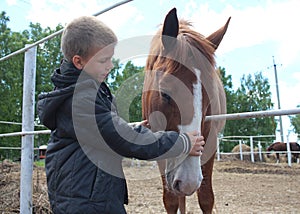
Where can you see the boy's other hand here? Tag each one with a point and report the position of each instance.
(197, 143)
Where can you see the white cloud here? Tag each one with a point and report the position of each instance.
(52, 12)
(250, 26)
(277, 21)
(11, 2)
(296, 76)
(126, 15)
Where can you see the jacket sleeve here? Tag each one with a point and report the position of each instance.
(98, 126)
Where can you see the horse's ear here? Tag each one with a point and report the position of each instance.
(216, 37)
(170, 29)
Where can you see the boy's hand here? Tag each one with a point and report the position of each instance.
(142, 123)
(145, 123)
(197, 143)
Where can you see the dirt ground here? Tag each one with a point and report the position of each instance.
(239, 186)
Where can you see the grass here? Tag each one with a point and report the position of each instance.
(40, 163)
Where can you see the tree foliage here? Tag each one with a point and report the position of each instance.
(126, 83)
(11, 74)
(252, 95)
(295, 121)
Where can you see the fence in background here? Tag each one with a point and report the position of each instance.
(256, 149)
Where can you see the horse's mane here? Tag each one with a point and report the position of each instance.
(189, 43)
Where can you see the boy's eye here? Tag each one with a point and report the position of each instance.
(103, 60)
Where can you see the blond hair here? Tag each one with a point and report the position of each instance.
(83, 35)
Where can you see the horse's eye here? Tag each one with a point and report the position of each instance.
(166, 97)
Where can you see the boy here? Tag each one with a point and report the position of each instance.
(88, 138)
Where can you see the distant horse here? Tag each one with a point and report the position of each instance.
(279, 146)
(181, 88)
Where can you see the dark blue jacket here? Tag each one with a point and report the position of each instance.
(88, 141)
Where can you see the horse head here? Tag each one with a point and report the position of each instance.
(270, 148)
(181, 87)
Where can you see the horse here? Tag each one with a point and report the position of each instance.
(280, 146)
(181, 87)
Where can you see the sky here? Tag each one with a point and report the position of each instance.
(259, 32)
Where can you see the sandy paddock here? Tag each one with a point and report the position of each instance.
(239, 186)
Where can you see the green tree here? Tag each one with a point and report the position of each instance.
(48, 59)
(49, 56)
(295, 121)
(252, 95)
(11, 82)
(229, 91)
(126, 83)
(11, 75)
(230, 101)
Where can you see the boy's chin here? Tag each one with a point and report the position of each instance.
(101, 79)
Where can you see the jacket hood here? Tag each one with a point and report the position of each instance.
(66, 75)
(64, 80)
(49, 104)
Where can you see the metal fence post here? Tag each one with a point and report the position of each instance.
(252, 149)
(27, 154)
(218, 149)
(288, 150)
(241, 149)
(259, 151)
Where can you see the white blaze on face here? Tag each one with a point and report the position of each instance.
(197, 118)
(189, 175)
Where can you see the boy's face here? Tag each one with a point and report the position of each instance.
(100, 63)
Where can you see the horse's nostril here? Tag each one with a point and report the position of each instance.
(176, 185)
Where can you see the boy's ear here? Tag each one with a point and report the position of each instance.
(78, 62)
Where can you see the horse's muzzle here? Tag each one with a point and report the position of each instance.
(186, 178)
